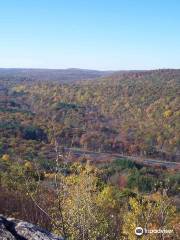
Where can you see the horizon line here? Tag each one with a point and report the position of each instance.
(86, 69)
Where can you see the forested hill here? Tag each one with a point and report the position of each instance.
(101, 143)
(54, 75)
(134, 113)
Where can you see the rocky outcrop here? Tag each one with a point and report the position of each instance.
(12, 229)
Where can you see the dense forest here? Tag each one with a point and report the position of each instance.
(131, 113)
(51, 124)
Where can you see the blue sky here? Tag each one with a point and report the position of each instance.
(94, 34)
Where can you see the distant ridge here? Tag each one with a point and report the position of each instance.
(58, 75)
(72, 75)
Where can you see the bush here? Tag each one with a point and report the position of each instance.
(34, 133)
(143, 183)
(126, 164)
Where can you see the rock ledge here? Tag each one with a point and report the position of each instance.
(12, 229)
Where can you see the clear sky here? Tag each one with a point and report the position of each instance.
(94, 34)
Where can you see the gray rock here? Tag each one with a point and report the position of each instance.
(4, 233)
(12, 229)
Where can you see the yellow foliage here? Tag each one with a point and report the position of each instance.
(5, 157)
(28, 166)
(167, 113)
(107, 197)
(154, 196)
(19, 88)
(49, 175)
(146, 213)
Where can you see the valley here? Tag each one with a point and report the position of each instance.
(89, 140)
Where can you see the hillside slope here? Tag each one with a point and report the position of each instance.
(135, 113)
